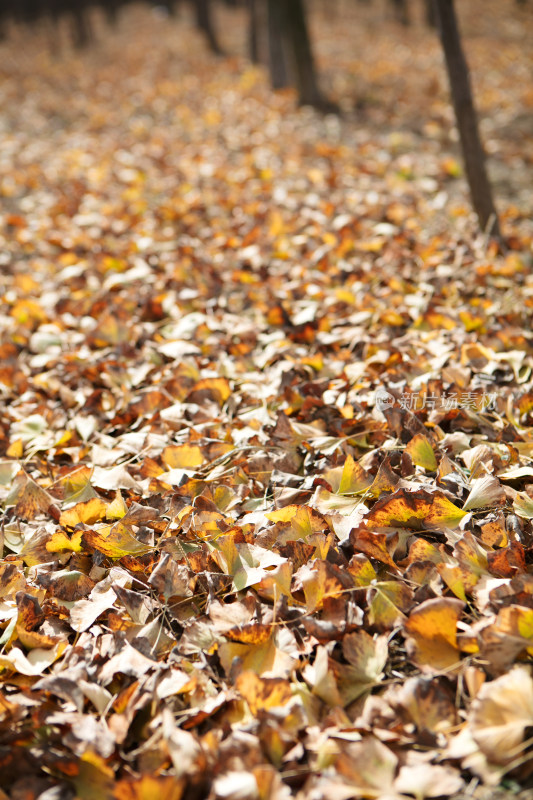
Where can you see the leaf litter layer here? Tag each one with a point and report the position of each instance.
(266, 427)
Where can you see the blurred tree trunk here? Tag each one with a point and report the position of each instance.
(466, 117)
(81, 26)
(300, 53)
(431, 16)
(111, 8)
(169, 5)
(277, 57)
(401, 11)
(253, 32)
(204, 21)
(258, 32)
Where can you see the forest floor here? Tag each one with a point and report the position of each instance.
(266, 418)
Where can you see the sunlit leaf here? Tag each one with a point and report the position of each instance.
(263, 693)
(115, 543)
(414, 509)
(432, 633)
(421, 452)
(87, 512)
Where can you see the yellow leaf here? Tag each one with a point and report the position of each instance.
(182, 456)
(432, 633)
(354, 479)
(282, 514)
(88, 512)
(216, 389)
(117, 508)
(276, 226)
(320, 581)
(388, 603)
(421, 452)
(267, 658)
(59, 542)
(263, 693)
(76, 485)
(150, 787)
(15, 449)
(116, 544)
(414, 510)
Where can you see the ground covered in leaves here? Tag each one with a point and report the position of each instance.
(266, 420)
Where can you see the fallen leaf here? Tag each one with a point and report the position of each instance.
(414, 509)
(432, 634)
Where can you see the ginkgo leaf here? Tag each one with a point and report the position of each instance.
(369, 766)
(262, 694)
(149, 787)
(76, 485)
(283, 514)
(510, 634)
(69, 585)
(182, 456)
(114, 543)
(216, 389)
(500, 714)
(421, 452)
(354, 479)
(321, 679)
(373, 545)
(272, 658)
(35, 662)
(114, 478)
(523, 505)
(388, 604)
(28, 498)
(319, 581)
(87, 512)
(432, 633)
(59, 542)
(414, 509)
(427, 703)
(261, 385)
(485, 492)
(366, 657)
(429, 780)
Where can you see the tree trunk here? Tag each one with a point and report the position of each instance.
(258, 32)
(466, 117)
(81, 27)
(277, 59)
(204, 21)
(298, 45)
(253, 32)
(111, 11)
(401, 11)
(431, 16)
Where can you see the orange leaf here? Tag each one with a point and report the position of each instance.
(373, 545)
